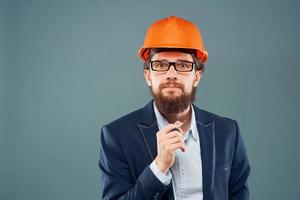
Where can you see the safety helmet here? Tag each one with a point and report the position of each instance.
(173, 32)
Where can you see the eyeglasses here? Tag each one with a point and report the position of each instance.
(162, 66)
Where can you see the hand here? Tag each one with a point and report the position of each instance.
(169, 139)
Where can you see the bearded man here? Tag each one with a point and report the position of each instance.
(170, 149)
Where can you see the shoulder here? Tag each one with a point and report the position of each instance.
(206, 117)
(223, 126)
(127, 119)
(118, 131)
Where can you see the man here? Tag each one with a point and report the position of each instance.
(170, 149)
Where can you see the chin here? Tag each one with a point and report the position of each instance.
(171, 96)
(175, 93)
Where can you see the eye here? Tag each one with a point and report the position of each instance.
(184, 65)
(163, 64)
(160, 65)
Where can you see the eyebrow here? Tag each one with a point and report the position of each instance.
(175, 61)
(184, 60)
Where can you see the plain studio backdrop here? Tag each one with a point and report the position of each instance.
(69, 67)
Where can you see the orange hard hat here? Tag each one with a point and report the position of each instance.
(173, 32)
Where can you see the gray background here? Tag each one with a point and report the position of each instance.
(68, 67)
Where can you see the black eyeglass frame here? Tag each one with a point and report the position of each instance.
(170, 64)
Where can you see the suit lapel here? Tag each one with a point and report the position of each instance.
(206, 131)
(148, 133)
(148, 129)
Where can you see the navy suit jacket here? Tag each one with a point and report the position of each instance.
(128, 146)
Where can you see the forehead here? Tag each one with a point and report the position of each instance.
(172, 56)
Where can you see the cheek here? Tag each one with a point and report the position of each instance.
(155, 87)
(154, 82)
(194, 81)
(189, 85)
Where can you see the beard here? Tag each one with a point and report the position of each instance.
(173, 104)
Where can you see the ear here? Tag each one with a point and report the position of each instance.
(147, 77)
(198, 75)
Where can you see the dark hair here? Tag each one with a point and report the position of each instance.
(198, 64)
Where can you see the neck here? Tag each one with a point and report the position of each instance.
(184, 116)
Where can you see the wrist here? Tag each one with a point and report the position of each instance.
(162, 166)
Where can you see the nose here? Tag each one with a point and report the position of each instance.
(171, 73)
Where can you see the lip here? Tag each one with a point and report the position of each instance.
(171, 86)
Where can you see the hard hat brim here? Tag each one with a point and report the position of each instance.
(143, 53)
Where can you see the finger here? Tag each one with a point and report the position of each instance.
(178, 141)
(172, 134)
(161, 138)
(181, 131)
(168, 128)
(179, 127)
(174, 140)
(176, 146)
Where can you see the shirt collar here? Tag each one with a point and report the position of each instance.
(162, 122)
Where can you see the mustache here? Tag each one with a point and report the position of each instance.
(174, 84)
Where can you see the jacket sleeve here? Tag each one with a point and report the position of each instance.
(116, 178)
(240, 170)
